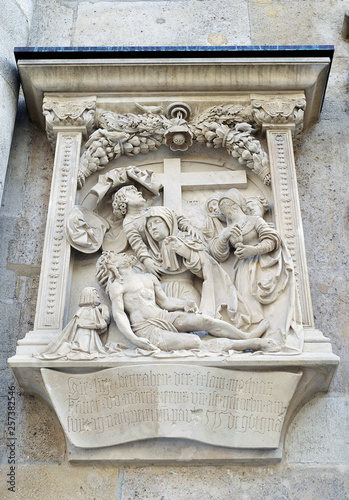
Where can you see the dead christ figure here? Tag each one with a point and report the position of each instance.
(149, 319)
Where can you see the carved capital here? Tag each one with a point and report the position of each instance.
(273, 110)
(66, 113)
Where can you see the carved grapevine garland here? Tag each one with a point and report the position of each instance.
(130, 135)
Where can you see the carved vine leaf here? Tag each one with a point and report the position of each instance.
(239, 142)
(130, 135)
(118, 135)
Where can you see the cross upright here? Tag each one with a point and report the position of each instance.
(174, 180)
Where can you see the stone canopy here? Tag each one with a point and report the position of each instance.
(177, 127)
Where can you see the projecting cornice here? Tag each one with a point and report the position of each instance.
(229, 74)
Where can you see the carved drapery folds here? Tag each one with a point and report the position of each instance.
(68, 112)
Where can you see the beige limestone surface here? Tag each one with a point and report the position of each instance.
(314, 465)
(215, 406)
(14, 30)
(65, 121)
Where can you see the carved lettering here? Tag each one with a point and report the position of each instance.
(216, 406)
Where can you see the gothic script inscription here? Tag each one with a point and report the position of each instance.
(212, 405)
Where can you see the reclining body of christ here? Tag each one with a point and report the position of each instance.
(151, 320)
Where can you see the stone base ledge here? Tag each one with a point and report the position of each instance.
(311, 373)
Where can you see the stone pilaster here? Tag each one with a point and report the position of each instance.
(67, 121)
(281, 118)
(62, 113)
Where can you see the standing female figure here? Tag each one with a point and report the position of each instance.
(262, 271)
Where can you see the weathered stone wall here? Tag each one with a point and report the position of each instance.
(316, 459)
(15, 19)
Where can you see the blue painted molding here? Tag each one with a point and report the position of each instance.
(235, 51)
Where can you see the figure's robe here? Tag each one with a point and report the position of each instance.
(80, 339)
(267, 283)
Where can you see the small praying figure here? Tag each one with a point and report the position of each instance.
(80, 339)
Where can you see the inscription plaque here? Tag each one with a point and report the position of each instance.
(237, 409)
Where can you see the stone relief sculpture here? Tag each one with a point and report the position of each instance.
(227, 127)
(262, 271)
(150, 319)
(170, 248)
(256, 205)
(80, 339)
(129, 203)
(215, 221)
(86, 230)
(254, 295)
(194, 273)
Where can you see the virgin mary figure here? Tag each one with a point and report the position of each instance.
(182, 258)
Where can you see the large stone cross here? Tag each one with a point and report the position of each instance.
(174, 180)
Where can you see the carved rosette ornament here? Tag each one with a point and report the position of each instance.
(179, 137)
(68, 112)
(229, 127)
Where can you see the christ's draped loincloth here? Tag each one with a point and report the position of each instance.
(161, 331)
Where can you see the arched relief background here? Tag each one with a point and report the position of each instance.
(197, 160)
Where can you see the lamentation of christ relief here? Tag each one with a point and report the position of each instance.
(150, 319)
(250, 304)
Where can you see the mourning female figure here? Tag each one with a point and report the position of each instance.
(169, 248)
(262, 271)
(177, 253)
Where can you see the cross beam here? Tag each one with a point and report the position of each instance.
(174, 181)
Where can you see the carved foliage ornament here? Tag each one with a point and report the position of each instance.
(73, 112)
(279, 110)
(129, 134)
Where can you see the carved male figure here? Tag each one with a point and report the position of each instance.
(148, 318)
(80, 339)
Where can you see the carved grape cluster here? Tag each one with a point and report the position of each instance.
(131, 134)
(238, 141)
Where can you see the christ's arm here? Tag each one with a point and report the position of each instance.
(172, 303)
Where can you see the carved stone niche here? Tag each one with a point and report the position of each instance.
(174, 320)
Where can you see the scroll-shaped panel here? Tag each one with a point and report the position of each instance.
(235, 409)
